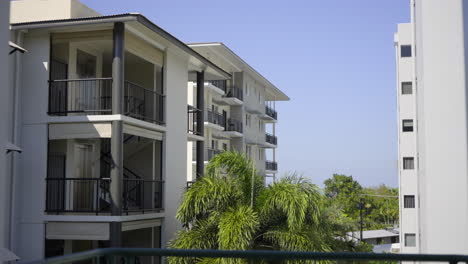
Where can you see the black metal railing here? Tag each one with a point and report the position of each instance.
(271, 112)
(73, 96)
(133, 255)
(94, 97)
(92, 195)
(235, 92)
(192, 117)
(189, 184)
(215, 118)
(142, 195)
(269, 138)
(271, 165)
(211, 153)
(143, 103)
(221, 84)
(83, 195)
(234, 125)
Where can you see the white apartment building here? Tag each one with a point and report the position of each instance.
(432, 73)
(99, 110)
(239, 113)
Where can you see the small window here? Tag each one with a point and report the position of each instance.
(407, 88)
(225, 148)
(408, 125)
(408, 163)
(410, 240)
(405, 51)
(409, 201)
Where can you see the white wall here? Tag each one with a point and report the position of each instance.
(441, 42)
(408, 179)
(175, 145)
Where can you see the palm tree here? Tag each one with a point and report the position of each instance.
(218, 213)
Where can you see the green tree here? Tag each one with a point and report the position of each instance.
(344, 191)
(217, 212)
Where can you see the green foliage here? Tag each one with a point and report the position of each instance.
(290, 214)
(380, 203)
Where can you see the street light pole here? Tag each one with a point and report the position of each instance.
(360, 216)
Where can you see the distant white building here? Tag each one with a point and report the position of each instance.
(382, 240)
(432, 73)
(239, 113)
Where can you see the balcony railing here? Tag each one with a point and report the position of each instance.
(94, 97)
(92, 195)
(144, 104)
(234, 125)
(271, 112)
(235, 92)
(211, 153)
(192, 117)
(269, 138)
(215, 118)
(134, 255)
(221, 84)
(271, 165)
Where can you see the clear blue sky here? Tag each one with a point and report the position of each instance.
(334, 58)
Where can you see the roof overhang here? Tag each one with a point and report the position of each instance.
(236, 62)
(135, 21)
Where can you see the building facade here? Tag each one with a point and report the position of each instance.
(240, 112)
(101, 115)
(433, 135)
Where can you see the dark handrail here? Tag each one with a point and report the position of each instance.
(129, 253)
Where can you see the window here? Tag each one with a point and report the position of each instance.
(406, 88)
(225, 147)
(409, 201)
(260, 125)
(405, 51)
(410, 240)
(407, 125)
(248, 120)
(248, 150)
(247, 92)
(408, 163)
(260, 153)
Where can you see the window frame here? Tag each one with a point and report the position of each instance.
(409, 201)
(403, 85)
(410, 167)
(413, 236)
(407, 128)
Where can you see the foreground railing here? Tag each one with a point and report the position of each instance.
(143, 103)
(133, 255)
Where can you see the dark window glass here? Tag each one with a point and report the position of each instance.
(410, 240)
(407, 88)
(408, 125)
(409, 201)
(405, 51)
(408, 163)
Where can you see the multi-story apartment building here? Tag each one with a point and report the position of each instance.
(239, 114)
(432, 73)
(100, 112)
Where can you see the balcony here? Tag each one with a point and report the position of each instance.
(234, 128)
(234, 96)
(215, 118)
(211, 153)
(270, 112)
(71, 97)
(192, 117)
(271, 139)
(92, 195)
(221, 84)
(271, 165)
